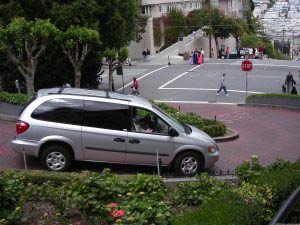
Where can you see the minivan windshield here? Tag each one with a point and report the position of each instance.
(171, 120)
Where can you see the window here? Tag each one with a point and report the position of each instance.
(106, 115)
(68, 111)
(145, 121)
(143, 10)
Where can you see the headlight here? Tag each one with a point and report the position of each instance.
(211, 149)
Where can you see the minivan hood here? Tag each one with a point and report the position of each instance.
(199, 133)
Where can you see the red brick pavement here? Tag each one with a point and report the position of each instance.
(266, 132)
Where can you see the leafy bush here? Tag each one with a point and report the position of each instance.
(211, 127)
(225, 208)
(249, 169)
(19, 99)
(276, 95)
(146, 186)
(195, 193)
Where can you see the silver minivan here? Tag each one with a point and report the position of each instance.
(66, 124)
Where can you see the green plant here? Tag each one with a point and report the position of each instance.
(20, 99)
(145, 186)
(225, 208)
(279, 164)
(195, 193)
(189, 118)
(275, 95)
(249, 169)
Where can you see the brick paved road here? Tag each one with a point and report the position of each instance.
(266, 132)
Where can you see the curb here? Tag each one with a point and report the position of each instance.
(8, 118)
(231, 137)
(269, 106)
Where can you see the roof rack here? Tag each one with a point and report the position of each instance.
(61, 90)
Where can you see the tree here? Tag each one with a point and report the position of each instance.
(76, 43)
(175, 24)
(237, 28)
(24, 42)
(113, 59)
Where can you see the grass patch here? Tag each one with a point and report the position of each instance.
(274, 95)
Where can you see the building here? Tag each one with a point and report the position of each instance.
(158, 8)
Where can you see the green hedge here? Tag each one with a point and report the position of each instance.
(254, 201)
(19, 99)
(277, 95)
(212, 127)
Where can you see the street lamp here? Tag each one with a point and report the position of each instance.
(210, 24)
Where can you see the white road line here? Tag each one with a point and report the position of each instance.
(145, 75)
(180, 75)
(211, 89)
(196, 102)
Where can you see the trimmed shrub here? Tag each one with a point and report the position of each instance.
(277, 95)
(19, 99)
(225, 208)
(249, 169)
(195, 193)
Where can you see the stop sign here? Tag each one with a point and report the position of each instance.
(246, 65)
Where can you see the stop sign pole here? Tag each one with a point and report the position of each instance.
(246, 66)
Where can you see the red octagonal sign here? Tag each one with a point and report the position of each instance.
(246, 65)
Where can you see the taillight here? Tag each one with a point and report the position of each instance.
(21, 126)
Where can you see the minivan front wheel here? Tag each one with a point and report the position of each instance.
(188, 163)
(56, 158)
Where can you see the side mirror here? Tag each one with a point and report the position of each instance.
(173, 132)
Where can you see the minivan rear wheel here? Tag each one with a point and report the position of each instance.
(56, 158)
(188, 163)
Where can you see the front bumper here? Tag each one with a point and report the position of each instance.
(211, 159)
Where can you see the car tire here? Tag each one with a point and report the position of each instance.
(188, 163)
(56, 158)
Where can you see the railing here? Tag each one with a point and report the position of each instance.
(286, 208)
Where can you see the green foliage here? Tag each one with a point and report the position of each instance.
(249, 169)
(225, 208)
(175, 24)
(195, 193)
(275, 95)
(211, 127)
(157, 33)
(145, 186)
(19, 99)
(250, 40)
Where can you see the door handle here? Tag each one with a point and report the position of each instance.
(119, 139)
(134, 141)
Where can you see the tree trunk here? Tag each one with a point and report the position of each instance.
(217, 44)
(77, 77)
(237, 42)
(30, 85)
(110, 73)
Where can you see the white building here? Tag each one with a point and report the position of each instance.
(158, 8)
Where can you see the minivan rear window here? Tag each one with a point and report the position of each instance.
(106, 115)
(68, 111)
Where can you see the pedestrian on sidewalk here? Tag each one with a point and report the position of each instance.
(202, 53)
(222, 87)
(144, 53)
(148, 54)
(227, 53)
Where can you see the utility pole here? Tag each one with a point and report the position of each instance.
(210, 26)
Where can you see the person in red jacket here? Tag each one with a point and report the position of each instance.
(135, 89)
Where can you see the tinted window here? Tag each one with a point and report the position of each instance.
(106, 115)
(67, 111)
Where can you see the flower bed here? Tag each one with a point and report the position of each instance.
(105, 198)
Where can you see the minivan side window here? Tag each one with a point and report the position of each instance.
(68, 111)
(106, 115)
(145, 121)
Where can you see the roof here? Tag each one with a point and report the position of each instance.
(91, 93)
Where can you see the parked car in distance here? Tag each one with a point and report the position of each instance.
(234, 55)
(66, 124)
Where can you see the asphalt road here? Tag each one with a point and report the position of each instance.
(199, 83)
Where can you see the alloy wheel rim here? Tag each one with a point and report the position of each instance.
(189, 165)
(56, 161)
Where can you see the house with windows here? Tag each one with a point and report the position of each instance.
(157, 8)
